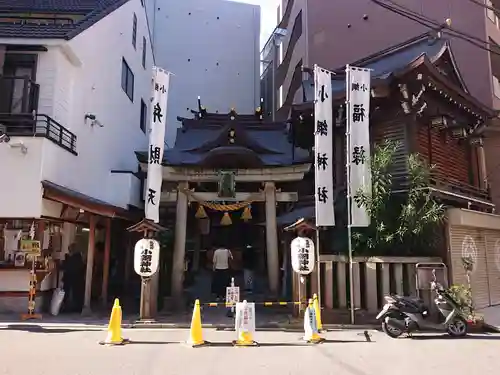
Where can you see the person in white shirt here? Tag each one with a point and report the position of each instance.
(221, 275)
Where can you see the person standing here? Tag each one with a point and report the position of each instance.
(220, 267)
(248, 267)
(73, 280)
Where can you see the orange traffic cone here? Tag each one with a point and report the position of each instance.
(115, 327)
(196, 331)
(311, 334)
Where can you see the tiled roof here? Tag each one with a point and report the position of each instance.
(388, 62)
(200, 139)
(93, 11)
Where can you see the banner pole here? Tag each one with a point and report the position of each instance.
(318, 264)
(349, 198)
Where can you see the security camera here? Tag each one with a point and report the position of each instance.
(90, 116)
(4, 138)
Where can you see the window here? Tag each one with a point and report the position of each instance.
(144, 116)
(127, 80)
(144, 52)
(134, 32)
(496, 87)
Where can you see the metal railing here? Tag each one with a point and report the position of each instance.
(38, 125)
(454, 186)
(18, 94)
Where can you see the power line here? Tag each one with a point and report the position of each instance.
(489, 7)
(434, 25)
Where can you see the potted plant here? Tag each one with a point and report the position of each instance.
(462, 294)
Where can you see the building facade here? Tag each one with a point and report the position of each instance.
(208, 45)
(75, 90)
(334, 33)
(419, 100)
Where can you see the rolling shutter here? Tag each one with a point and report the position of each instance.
(466, 241)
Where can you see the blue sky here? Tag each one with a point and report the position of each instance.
(268, 16)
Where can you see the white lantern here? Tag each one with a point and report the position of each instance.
(146, 257)
(302, 255)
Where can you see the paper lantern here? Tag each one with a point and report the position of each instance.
(302, 255)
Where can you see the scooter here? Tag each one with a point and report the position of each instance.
(408, 314)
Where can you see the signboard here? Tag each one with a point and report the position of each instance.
(302, 255)
(245, 318)
(158, 117)
(358, 92)
(233, 294)
(31, 247)
(310, 324)
(323, 148)
(146, 257)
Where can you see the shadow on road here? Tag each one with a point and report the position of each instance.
(134, 342)
(448, 337)
(39, 329)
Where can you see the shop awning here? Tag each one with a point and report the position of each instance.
(69, 197)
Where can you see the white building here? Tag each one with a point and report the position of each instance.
(74, 99)
(212, 47)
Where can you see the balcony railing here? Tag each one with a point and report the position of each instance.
(457, 187)
(37, 125)
(18, 94)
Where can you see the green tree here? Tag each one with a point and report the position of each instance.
(401, 223)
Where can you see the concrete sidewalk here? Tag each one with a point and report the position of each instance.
(491, 317)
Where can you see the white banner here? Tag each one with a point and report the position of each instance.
(158, 117)
(323, 148)
(358, 92)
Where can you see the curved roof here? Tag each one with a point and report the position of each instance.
(397, 60)
(256, 143)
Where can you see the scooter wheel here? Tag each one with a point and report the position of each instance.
(457, 327)
(390, 331)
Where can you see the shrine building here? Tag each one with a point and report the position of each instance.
(229, 176)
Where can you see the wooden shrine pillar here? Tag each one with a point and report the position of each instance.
(483, 172)
(299, 290)
(90, 266)
(179, 244)
(272, 239)
(105, 269)
(149, 286)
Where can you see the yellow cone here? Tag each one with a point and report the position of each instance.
(317, 312)
(245, 339)
(311, 334)
(196, 332)
(115, 326)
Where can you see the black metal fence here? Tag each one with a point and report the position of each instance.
(37, 125)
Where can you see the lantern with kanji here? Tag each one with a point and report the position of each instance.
(302, 255)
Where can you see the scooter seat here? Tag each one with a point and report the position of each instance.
(417, 302)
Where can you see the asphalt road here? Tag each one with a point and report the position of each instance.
(59, 351)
